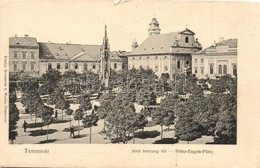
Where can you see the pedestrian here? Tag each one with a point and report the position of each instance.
(56, 114)
(24, 125)
(72, 131)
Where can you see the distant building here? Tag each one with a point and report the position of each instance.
(167, 53)
(24, 55)
(216, 60)
(66, 56)
(28, 56)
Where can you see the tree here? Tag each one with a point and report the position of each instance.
(78, 116)
(62, 105)
(46, 112)
(120, 118)
(69, 112)
(50, 81)
(13, 118)
(186, 127)
(226, 127)
(139, 122)
(89, 121)
(31, 100)
(105, 106)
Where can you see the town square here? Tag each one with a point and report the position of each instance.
(167, 88)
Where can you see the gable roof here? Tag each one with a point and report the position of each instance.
(160, 43)
(23, 41)
(230, 43)
(67, 51)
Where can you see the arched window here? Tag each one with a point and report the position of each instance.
(234, 69)
(178, 64)
(85, 67)
(220, 69)
(186, 39)
(76, 66)
(211, 71)
(224, 69)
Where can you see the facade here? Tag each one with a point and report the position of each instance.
(167, 53)
(35, 58)
(66, 56)
(216, 60)
(24, 55)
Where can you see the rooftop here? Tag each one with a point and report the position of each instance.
(23, 41)
(229, 44)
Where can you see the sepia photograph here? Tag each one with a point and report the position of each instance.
(125, 73)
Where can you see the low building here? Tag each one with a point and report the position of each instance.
(216, 60)
(66, 56)
(24, 55)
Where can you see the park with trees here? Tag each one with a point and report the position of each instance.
(139, 107)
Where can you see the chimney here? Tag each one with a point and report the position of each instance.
(220, 39)
(15, 35)
(26, 35)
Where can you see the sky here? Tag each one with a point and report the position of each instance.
(84, 21)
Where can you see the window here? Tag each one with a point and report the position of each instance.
(123, 66)
(220, 69)
(49, 65)
(66, 65)
(156, 68)
(133, 58)
(115, 65)
(15, 55)
(165, 68)
(156, 57)
(224, 69)
(147, 57)
(15, 67)
(186, 39)
(178, 64)
(196, 70)
(32, 66)
(165, 56)
(76, 66)
(24, 66)
(234, 69)
(201, 60)
(195, 60)
(140, 57)
(32, 55)
(24, 54)
(187, 63)
(94, 66)
(58, 65)
(202, 70)
(211, 69)
(85, 67)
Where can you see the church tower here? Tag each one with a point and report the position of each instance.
(154, 28)
(105, 61)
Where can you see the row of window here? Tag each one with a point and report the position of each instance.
(201, 60)
(156, 57)
(24, 54)
(155, 69)
(24, 66)
(222, 69)
(76, 66)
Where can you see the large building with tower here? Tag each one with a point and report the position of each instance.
(166, 53)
